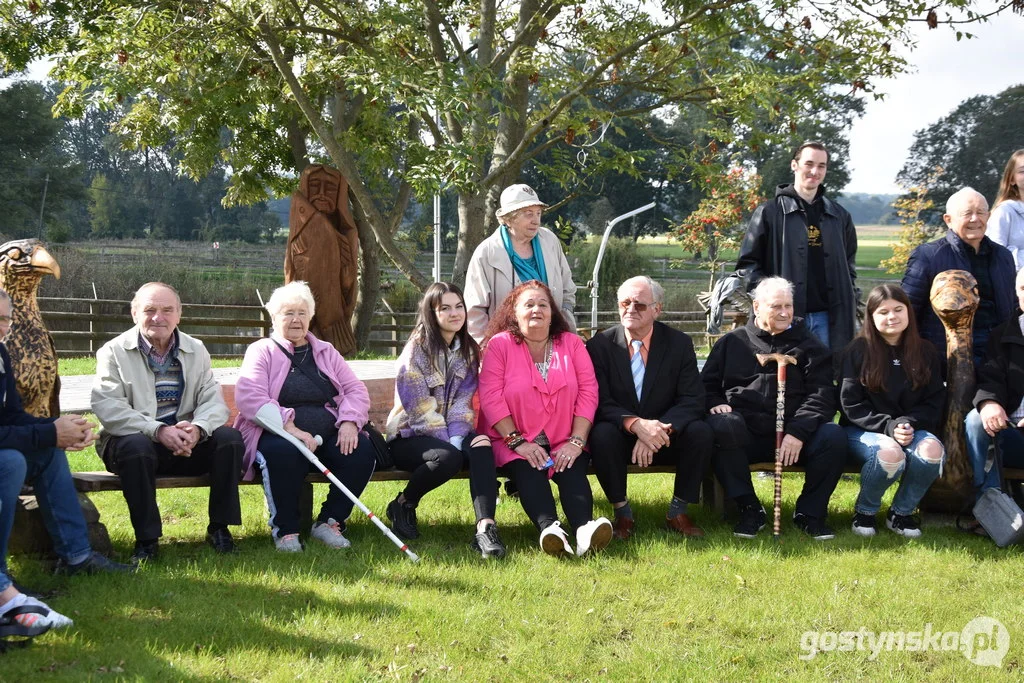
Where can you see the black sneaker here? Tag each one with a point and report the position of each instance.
(864, 525)
(145, 551)
(752, 519)
(403, 519)
(488, 543)
(813, 527)
(94, 564)
(907, 526)
(221, 541)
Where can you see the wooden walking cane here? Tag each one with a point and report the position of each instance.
(781, 360)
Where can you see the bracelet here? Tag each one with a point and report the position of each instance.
(512, 435)
(515, 442)
(578, 441)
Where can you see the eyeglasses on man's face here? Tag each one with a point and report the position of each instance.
(638, 306)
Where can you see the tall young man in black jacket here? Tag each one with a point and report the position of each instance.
(810, 240)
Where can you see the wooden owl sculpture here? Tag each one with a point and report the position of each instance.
(23, 265)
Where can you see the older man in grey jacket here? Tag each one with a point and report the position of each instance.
(162, 412)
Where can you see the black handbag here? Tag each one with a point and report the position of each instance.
(381, 450)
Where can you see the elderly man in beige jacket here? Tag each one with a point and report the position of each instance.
(161, 412)
(519, 250)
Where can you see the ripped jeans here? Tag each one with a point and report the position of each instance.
(914, 472)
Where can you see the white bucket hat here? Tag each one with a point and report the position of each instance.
(515, 197)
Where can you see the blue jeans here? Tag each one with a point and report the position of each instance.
(817, 324)
(48, 473)
(915, 474)
(1010, 443)
(5, 581)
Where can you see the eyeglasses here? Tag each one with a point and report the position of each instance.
(637, 306)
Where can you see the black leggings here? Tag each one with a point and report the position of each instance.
(432, 462)
(538, 500)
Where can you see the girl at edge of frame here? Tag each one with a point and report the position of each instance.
(430, 427)
(891, 396)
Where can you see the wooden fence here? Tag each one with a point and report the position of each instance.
(80, 326)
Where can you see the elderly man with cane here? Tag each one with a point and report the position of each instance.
(742, 396)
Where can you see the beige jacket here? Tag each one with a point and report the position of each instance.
(491, 277)
(124, 391)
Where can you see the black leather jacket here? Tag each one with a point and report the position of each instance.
(776, 245)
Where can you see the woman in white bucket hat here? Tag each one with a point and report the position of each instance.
(518, 251)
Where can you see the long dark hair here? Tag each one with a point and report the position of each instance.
(504, 319)
(876, 353)
(427, 331)
(1008, 190)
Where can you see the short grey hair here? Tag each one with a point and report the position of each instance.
(770, 285)
(959, 196)
(291, 293)
(657, 291)
(153, 285)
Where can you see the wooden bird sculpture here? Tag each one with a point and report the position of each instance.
(23, 265)
(954, 298)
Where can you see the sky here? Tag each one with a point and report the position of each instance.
(946, 73)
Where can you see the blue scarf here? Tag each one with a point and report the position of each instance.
(527, 269)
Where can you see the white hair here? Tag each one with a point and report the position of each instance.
(293, 292)
(961, 195)
(657, 291)
(769, 286)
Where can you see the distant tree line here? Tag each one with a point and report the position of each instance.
(73, 179)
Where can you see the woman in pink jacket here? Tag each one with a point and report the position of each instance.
(317, 394)
(538, 396)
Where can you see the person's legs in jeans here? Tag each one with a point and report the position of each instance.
(985, 474)
(924, 463)
(882, 462)
(50, 476)
(817, 324)
(12, 476)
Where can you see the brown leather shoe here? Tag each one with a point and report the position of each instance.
(683, 525)
(623, 528)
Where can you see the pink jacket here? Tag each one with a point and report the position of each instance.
(511, 385)
(264, 370)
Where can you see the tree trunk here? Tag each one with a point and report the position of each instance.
(472, 225)
(369, 280)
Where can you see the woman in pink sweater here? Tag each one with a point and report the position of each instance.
(538, 396)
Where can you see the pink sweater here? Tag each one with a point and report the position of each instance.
(264, 370)
(511, 385)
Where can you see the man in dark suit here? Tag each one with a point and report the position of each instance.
(651, 406)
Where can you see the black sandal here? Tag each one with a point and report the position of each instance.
(15, 634)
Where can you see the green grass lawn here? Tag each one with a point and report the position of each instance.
(655, 608)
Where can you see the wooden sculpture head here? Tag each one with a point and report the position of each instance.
(954, 298)
(323, 187)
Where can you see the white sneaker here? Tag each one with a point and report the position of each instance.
(594, 535)
(35, 614)
(554, 541)
(289, 543)
(329, 533)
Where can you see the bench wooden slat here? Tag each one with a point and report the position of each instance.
(90, 482)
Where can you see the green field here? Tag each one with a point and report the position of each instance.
(656, 608)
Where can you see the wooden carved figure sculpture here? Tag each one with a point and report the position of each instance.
(23, 265)
(323, 250)
(954, 298)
